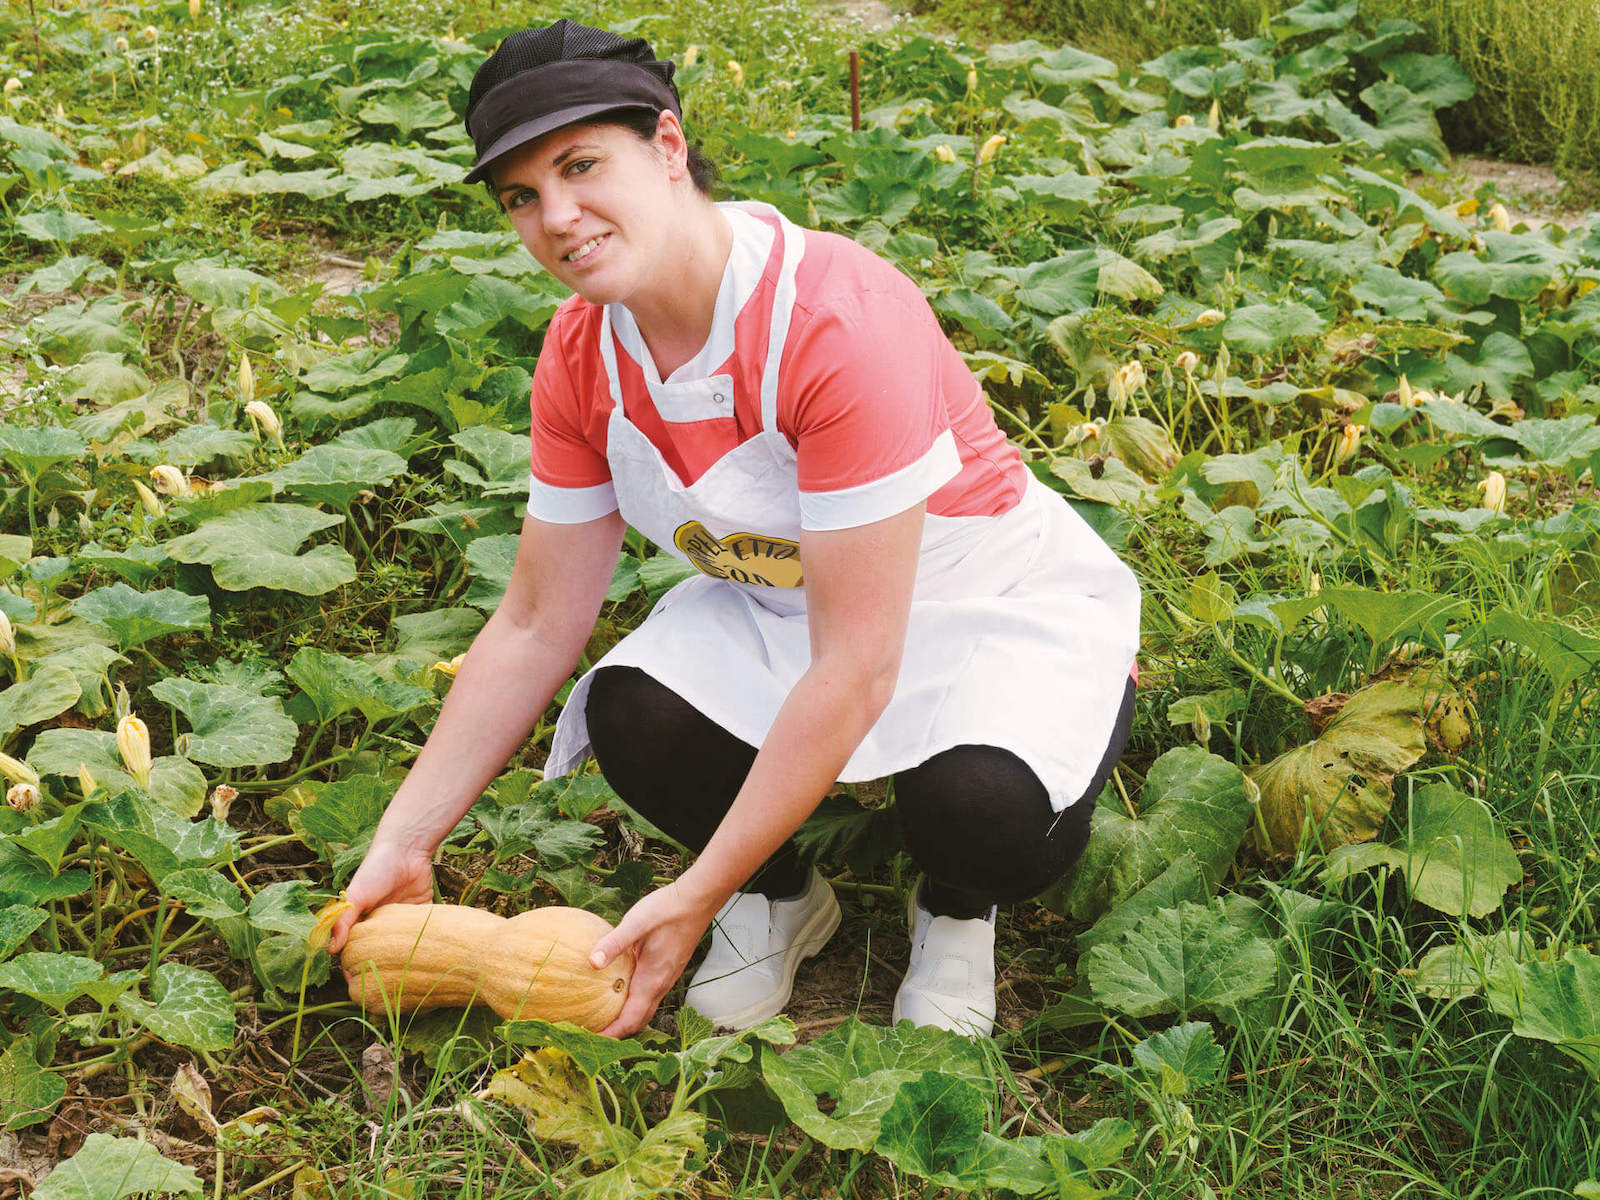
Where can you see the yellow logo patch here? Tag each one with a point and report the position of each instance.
(741, 557)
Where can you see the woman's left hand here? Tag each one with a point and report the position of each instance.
(662, 930)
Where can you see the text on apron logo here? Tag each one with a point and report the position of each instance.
(742, 557)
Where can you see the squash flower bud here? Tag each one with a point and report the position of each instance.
(1211, 316)
(122, 44)
(735, 73)
(1186, 362)
(1493, 487)
(691, 56)
(1348, 442)
(1500, 217)
(87, 783)
(1201, 724)
(151, 33)
(972, 79)
(17, 771)
(944, 154)
(991, 147)
(169, 480)
(133, 743)
(8, 635)
(1183, 120)
(247, 380)
(260, 412)
(13, 85)
(24, 797)
(195, 8)
(147, 498)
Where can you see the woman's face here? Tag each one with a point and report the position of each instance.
(596, 205)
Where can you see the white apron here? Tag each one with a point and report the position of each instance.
(1022, 632)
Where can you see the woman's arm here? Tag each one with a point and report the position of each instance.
(513, 669)
(858, 598)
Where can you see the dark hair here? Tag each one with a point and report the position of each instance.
(703, 173)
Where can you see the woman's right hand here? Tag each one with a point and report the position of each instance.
(391, 873)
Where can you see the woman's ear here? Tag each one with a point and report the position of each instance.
(673, 144)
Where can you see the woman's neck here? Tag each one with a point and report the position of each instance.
(674, 316)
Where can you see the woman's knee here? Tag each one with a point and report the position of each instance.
(978, 818)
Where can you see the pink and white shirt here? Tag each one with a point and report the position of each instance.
(880, 408)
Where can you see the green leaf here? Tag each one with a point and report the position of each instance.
(134, 618)
(1388, 616)
(1183, 880)
(1559, 649)
(68, 332)
(34, 450)
(1183, 960)
(24, 880)
(932, 1126)
(1462, 969)
(1111, 481)
(205, 893)
(1557, 1002)
(49, 692)
(176, 784)
(17, 923)
(191, 1008)
(1066, 283)
(57, 225)
(257, 547)
(1453, 853)
(28, 1092)
(407, 110)
(113, 1168)
(333, 474)
(225, 287)
(336, 685)
(232, 727)
(53, 979)
(1193, 803)
(1181, 1059)
(590, 1052)
(1436, 78)
(491, 560)
(1502, 361)
(862, 1068)
(1262, 328)
(343, 815)
(161, 841)
(1339, 783)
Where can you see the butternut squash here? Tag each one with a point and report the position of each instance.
(413, 957)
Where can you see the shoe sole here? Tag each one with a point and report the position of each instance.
(813, 936)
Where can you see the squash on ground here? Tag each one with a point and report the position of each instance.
(412, 957)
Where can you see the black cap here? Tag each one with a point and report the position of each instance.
(541, 79)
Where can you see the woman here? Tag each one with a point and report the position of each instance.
(883, 588)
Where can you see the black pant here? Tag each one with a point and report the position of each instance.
(976, 819)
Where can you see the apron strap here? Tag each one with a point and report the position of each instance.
(608, 356)
(794, 244)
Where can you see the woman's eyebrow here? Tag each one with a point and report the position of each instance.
(575, 148)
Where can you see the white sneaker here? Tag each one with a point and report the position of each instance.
(756, 944)
(950, 981)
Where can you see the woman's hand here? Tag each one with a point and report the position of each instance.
(391, 873)
(662, 930)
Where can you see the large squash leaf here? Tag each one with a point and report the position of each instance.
(1556, 1002)
(1193, 803)
(1453, 853)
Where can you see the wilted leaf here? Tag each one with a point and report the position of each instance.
(553, 1094)
(1340, 782)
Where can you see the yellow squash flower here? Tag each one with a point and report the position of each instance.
(735, 73)
(17, 771)
(265, 419)
(1493, 487)
(944, 154)
(133, 743)
(691, 56)
(1211, 316)
(24, 797)
(8, 635)
(991, 147)
(1348, 443)
(169, 480)
(1186, 362)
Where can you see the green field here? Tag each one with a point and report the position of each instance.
(1335, 935)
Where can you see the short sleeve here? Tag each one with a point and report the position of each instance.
(570, 480)
(867, 408)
